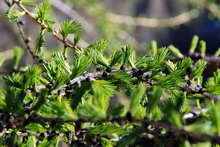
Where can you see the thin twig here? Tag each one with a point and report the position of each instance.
(10, 72)
(78, 80)
(44, 26)
(25, 39)
(135, 73)
(27, 44)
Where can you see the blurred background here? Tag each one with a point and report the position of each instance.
(134, 22)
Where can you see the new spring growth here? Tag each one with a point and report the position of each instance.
(175, 51)
(202, 49)
(194, 44)
(217, 53)
(153, 47)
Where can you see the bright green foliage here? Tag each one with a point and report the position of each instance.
(175, 51)
(42, 11)
(153, 47)
(29, 3)
(1, 61)
(56, 109)
(34, 127)
(18, 52)
(107, 128)
(71, 27)
(40, 42)
(43, 14)
(128, 56)
(217, 53)
(202, 48)
(194, 43)
(95, 51)
(13, 15)
(95, 102)
(213, 83)
(214, 115)
(199, 68)
(81, 64)
(99, 45)
(136, 98)
(106, 143)
(116, 59)
(90, 98)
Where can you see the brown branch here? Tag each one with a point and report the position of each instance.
(44, 26)
(27, 43)
(176, 131)
(184, 133)
(78, 80)
(9, 72)
(25, 39)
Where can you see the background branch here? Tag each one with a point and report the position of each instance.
(153, 22)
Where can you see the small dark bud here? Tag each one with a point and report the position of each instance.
(196, 56)
(104, 74)
(1, 128)
(122, 67)
(38, 94)
(188, 82)
(49, 85)
(27, 110)
(41, 61)
(27, 121)
(189, 70)
(129, 116)
(27, 40)
(21, 22)
(41, 136)
(88, 79)
(137, 72)
(98, 69)
(134, 69)
(109, 69)
(166, 71)
(78, 124)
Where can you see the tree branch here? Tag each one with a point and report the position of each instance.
(176, 131)
(153, 22)
(25, 39)
(44, 26)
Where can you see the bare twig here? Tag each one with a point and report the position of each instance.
(9, 72)
(78, 80)
(154, 22)
(25, 39)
